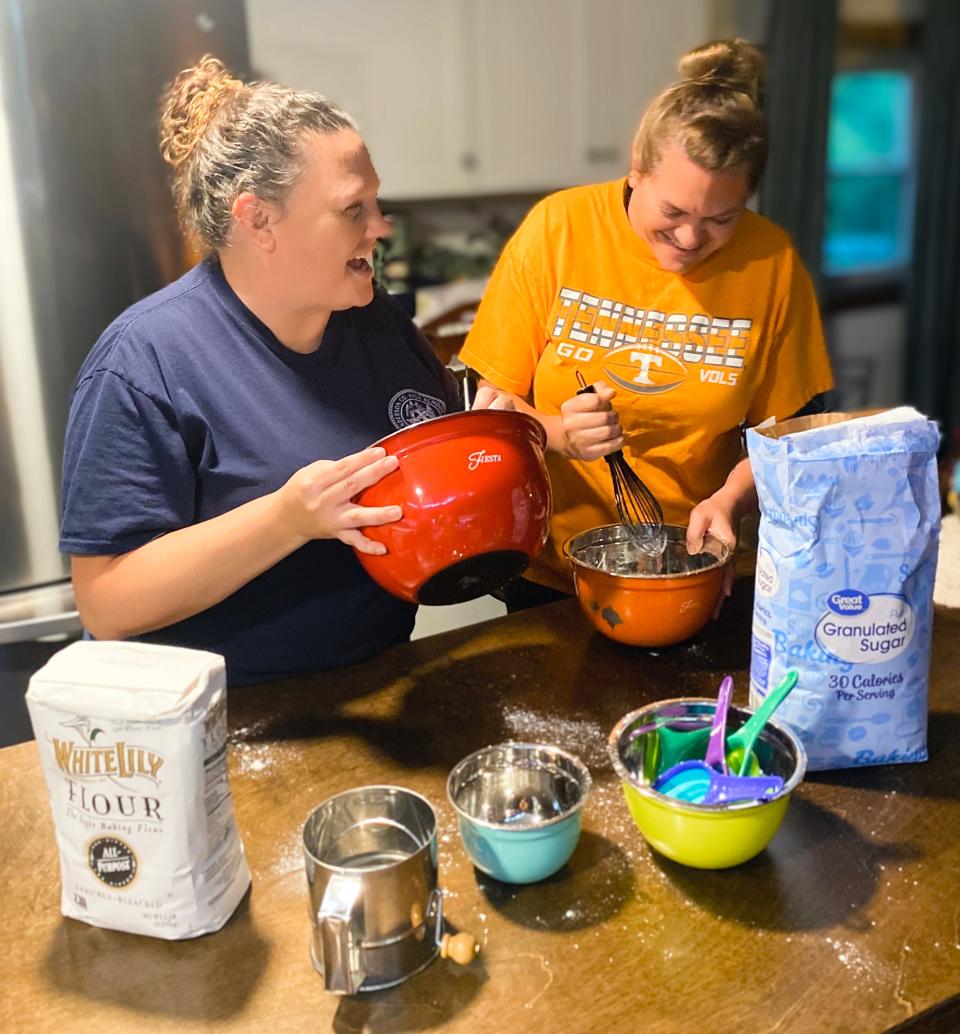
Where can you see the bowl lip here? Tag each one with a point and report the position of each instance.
(726, 551)
(329, 866)
(586, 784)
(449, 431)
(655, 796)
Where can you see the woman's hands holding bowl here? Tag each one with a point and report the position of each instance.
(718, 515)
(488, 397)
(318, 500)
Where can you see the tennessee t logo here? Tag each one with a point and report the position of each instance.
(645, 361)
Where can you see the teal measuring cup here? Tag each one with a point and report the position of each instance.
(674, 745)
(698, 783)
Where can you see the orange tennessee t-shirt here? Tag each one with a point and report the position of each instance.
(693, 356)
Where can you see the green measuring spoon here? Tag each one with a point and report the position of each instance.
(740, 756)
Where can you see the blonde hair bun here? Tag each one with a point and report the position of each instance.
(731, 63)
(224, 137)
(714, 112)
(190, 104)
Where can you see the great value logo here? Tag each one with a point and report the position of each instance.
(848, 601)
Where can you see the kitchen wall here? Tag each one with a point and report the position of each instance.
(867, 344)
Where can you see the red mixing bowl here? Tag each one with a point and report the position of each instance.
(476, 506)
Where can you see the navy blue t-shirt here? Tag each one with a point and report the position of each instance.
(188, 406)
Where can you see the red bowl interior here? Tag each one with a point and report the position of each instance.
(476, 506)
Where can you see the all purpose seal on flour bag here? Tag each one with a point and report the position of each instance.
(132, 740)
(849, 531)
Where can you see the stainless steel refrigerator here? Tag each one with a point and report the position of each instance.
(88, 227)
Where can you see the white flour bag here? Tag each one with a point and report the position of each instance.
(849, 531)
(132, 740)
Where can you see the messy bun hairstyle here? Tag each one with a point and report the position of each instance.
(223, 137)
(713, 112)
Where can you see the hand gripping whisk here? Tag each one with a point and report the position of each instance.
(637, 506)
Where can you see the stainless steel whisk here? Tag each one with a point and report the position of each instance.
(637, 506)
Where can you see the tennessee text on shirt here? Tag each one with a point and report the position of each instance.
(645, 350)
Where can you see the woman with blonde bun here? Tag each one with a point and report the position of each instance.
(220, 428)
(691, 315)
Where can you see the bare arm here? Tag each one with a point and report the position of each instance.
(186, 571)
(721, 513)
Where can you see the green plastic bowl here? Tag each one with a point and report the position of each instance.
(704, 836)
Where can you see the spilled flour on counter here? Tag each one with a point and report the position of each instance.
(259, 758)
(584, 738)
(289, 859)
(858, 964)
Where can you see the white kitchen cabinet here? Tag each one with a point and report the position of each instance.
(395, 65)
(631, 51)
(459, 97)
(525, 87)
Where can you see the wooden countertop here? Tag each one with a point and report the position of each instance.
(849, 922)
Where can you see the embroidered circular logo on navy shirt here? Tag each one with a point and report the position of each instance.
(413, 407)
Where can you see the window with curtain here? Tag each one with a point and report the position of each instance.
(870, 173)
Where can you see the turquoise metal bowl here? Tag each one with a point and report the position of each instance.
(519, 807)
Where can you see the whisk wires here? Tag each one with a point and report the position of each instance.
(637, 507)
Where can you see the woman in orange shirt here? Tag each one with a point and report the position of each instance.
(691, 315)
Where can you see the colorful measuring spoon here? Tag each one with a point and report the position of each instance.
(675, 745)
(716, 747)
(740, 756)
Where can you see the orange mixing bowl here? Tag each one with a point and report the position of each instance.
(642, 600)
(476, 506)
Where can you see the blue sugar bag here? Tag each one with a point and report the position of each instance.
(848, 539)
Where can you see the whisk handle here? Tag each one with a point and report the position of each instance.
(589, 389)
